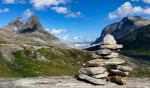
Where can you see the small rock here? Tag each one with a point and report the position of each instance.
(92, 70)
(118, 79)
(103, 52)
(119, 72)
(103, 75)
(124, 68)
(111, 46)
(112, 55)
(103, 62)
(95, 56)
(109, 40)
(92, 80)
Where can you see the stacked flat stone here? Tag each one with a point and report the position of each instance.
(107, 66)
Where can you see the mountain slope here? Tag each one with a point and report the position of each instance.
(27, 50)
(125, 26)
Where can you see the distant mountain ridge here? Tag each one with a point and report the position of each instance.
(122, 28)
(31, 32)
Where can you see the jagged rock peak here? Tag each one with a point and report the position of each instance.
(34, 20)
(133, 18)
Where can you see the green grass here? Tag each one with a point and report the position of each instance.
(61, 62)
(139, 73)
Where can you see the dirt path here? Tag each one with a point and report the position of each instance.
(67, 82)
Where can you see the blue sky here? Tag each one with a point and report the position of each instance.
(73, 20)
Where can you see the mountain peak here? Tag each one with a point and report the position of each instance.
(34, 20)
(132, 18)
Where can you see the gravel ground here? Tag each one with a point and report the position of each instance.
(66, 82)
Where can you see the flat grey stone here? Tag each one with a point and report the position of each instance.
(124, 68)
(103, 75)
(103, 52)
(92, 70)
(92, 80)
(103, 62)
(119, 72)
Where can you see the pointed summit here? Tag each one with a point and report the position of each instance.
(34, 20)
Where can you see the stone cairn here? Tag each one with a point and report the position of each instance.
(107, 65)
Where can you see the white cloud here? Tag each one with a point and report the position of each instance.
(128, 9)
(73, 14)
(8, 1)
(39, 4)
(4, 10)
(68, 13)
(13, 1)
(62, 10)
(57, 31)
(28, 13)
(145, 1)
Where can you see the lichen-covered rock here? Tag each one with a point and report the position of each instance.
(92, 80)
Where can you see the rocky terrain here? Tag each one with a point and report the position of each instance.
(67, 82)
(28, 50)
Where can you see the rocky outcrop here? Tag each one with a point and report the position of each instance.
(106, 65)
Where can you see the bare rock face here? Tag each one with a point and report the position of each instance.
(109, 40)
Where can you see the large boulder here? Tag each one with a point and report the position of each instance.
(92, 80)
(103, 62)
(92, 70)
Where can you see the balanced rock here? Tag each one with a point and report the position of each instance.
(112, 55)
(95, 55)
(104, 52)
(92, 70)
(119, 72)
(124, 68)
(99, 76)
(109, 40)
(111, 46)
(103, 62)
(92, 80)
(118, 79)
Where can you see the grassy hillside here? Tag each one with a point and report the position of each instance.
(60, 62)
